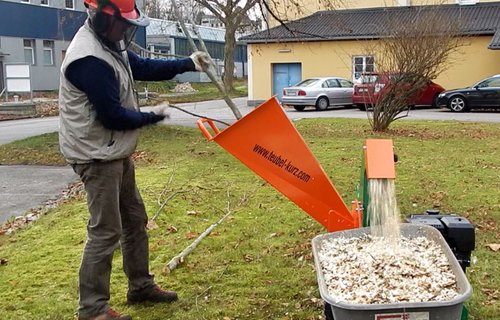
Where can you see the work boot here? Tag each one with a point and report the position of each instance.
(151, 294)
(108, 315)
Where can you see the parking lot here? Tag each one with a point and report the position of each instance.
(415, 114)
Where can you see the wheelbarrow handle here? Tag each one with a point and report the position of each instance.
(203, 129)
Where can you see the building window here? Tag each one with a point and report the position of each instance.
(48, 52)
(70, 4)
(467, 1)
(362, 64)
(44, 2)
(29, 51)
(162, 49)
(25, 1)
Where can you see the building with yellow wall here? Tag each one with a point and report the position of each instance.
(287, 10)
(334, 43)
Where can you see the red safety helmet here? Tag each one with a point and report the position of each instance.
(125, 9)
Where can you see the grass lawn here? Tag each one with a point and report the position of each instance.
(258, 263)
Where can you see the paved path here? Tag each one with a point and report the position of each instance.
(26, 187)
(13, 130)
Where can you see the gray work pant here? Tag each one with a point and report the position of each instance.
(117, 217)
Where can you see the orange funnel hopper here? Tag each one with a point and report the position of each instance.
(267, 142)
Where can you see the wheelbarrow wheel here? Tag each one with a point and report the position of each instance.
(328, 312)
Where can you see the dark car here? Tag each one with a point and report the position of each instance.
(371, 86)
(484, 94)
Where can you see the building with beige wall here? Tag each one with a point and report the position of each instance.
(335, 42)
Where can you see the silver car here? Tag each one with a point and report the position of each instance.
(320, 92)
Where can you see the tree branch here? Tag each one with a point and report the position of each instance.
(209, 72)
(179, 259)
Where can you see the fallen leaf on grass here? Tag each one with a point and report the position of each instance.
(191, 235)
(487, 225)
(248, 258)
(152, 225)
(318, 303)
(140, 155)
(171, 229)
(491, 296)
(200, 153)
(494, 246)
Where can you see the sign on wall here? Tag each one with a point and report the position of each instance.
(17, 79)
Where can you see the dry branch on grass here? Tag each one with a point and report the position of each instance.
(162, 202)
(179, 259)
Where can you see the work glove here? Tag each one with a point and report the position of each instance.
(201, 60)
(160, 112)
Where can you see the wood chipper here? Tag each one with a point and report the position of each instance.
(296, 173)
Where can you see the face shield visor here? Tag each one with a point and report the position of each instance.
(128, 37)
(132, 20)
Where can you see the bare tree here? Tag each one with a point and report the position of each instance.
(231, 13)
(411, 53)
(208, 70)
(155, 9)
(189, 10)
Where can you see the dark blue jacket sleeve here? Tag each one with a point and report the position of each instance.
(97, 79)
(155, 69)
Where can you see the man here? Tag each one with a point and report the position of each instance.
(99, 121)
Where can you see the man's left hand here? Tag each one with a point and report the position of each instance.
(201, 60)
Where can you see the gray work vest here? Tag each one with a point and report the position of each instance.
(82, 138)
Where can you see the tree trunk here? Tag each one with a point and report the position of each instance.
(229, 46)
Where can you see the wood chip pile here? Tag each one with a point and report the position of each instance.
(184, 88)
(370, 270)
